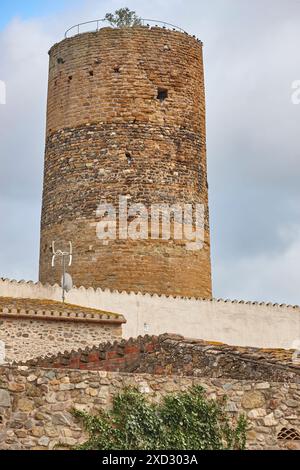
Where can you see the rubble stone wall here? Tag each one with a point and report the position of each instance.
(35, 404)
(31, 327)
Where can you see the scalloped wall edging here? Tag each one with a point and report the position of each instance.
(60, 315)
(5, 281)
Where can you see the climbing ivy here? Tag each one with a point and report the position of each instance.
(181, 421)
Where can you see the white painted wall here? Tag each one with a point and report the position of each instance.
(241, 324)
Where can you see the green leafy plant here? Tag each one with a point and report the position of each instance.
(181, 421)
(123, 18)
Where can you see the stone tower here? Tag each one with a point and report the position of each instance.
(125, 117)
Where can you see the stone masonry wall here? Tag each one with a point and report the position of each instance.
(31, 328)
(35, 404)
(109, 135)
(26, 339)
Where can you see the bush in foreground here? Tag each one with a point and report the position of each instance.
(181, 421)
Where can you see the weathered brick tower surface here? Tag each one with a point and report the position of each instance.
(126, 116)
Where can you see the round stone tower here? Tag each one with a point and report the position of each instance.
(125, 118)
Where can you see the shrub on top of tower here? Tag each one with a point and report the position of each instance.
(123, 18)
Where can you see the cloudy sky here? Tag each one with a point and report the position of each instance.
(252, 58)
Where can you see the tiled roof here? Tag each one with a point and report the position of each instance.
(285, 357)
(175, 355)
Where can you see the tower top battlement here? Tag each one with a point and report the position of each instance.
(95, 25)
